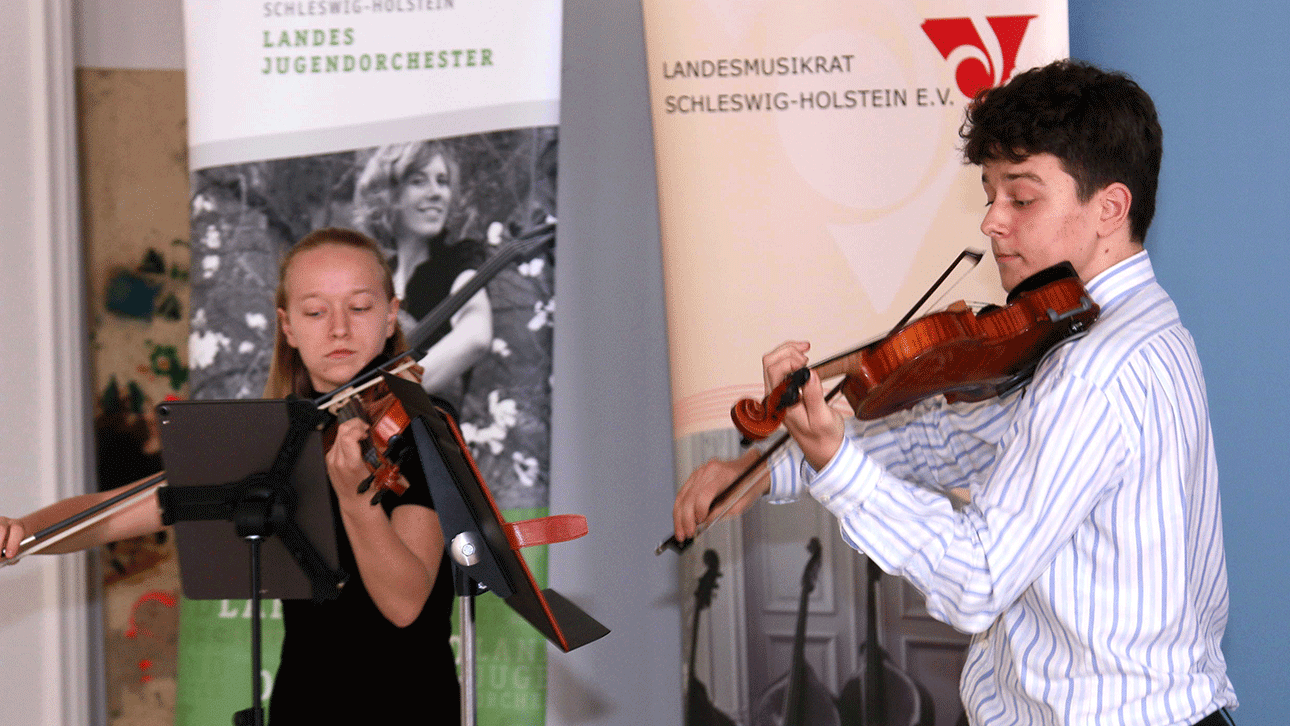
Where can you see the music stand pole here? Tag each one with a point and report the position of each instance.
(257, 708)
(466, 591)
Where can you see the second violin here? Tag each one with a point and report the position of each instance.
(384, 447)
(966, 355)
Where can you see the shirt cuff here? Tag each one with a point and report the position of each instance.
(785, 475)
(846, 481)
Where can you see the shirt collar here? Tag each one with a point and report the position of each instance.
(1118, 280)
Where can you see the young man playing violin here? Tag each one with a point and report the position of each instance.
(1088, 560)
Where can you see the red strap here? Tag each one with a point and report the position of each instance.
(545, 530)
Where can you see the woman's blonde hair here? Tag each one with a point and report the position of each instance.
(287, 373)
(378, 184)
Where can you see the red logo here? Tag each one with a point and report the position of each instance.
(950, 34)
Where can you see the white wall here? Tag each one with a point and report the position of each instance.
(43, 435)
(129, 34)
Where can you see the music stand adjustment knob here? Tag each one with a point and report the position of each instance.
(465, 549)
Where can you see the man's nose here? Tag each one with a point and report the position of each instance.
(993, 224)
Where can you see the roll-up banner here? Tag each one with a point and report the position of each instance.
(811, 188)
(305, 114)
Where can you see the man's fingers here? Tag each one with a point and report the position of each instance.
(817, 409)
(783, 360)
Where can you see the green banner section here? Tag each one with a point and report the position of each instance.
(215, 655)
(215, 658)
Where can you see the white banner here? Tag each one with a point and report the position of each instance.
(811, 188)
(295, 77)
(306, 114)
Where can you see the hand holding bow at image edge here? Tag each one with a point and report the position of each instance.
(12, 532)
(693, 504)
(140, 516)
(398, 556)
(815, 425)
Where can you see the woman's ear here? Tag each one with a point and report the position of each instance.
(286, 328)
(392, 319)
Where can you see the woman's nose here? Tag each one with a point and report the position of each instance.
(339, 325)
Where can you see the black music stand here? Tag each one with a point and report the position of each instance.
(258, 465)
(483, 546)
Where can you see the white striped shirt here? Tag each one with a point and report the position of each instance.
(1089, 563)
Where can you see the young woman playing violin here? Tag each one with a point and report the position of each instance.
(380, 651)
(1088, 558)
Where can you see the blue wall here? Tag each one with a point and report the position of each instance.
(1219, 76)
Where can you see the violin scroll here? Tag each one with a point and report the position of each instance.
(758, 419)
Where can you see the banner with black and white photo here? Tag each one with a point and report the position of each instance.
(811, 188)
(306, 114)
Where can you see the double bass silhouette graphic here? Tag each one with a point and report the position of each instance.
(799, 698)
(878, 694)
(699, 710)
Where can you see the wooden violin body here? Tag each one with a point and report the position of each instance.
(956, 352)
(383, 447)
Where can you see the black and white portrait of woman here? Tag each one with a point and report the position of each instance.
(403, 198)
(440, 208)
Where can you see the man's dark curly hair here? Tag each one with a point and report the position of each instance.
(1100, 124)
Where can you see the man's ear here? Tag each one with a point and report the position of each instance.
(286, 328)
(1114, 202)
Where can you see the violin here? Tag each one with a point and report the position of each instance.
(383, 447)
(956, 352)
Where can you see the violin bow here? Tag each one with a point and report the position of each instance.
(975, 256)
(743, 483)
